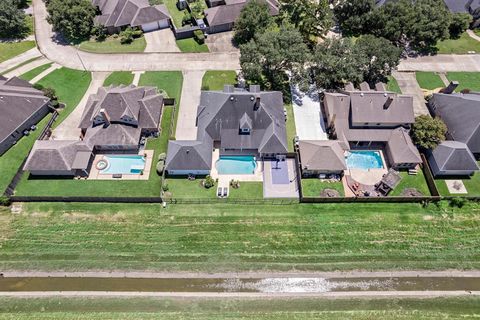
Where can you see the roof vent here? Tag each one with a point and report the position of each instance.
(385, 94)
(252, 98)
(362, 94)
(187, 151)
(232, 98)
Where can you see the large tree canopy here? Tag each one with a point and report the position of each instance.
(72, 18)
(254, 18)
(428, 132)
(12, 20)
(351, 15)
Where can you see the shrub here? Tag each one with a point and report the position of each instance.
(458, 202)
(126, 36)
(100, 33)
(208, 182)
(160, 167)
(165, 187)
(5, 201)
(50, 93)
(199, 36)
(162, 156)
(137, 33)
(187, 18)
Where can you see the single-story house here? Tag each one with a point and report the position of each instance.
(114, 120)
(455, 6)
(21, 107)
(221, 16)
(362, 118)
(235, 121)
(452, 158)
(321, 157)
(119, 14)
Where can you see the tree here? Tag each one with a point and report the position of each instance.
(312, 18)
(337, 62)
(381, 57)
(254, 18)
(72, 18)
(351, 16)
(272, 54)
(459, 23)
(12, 20)
(428, 132)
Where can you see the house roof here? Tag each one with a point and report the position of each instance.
(58, 155)
(456, 6)
(189, 155)
(461, 114)
(229, 12)
(19, 101)
(402, 149)
(119, 13)
(320, 155)
(454, 156)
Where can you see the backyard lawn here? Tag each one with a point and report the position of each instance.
(467, 80)
(429, 80)
(215, 80)
(411, 182)
(463, 45)
(313, 187)
(112, 45)
(35, 72)
(9, 50)
(177, 15)
(472, 185)
(392, 85)
(223, 237)
(190, 45)
(246, 309)
(118, 78)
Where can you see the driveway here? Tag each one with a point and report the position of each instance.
(308, 115)
(161, 41)
(221, 42)
(408, 85)
(187, 114)
(28, 55)
(68, 129)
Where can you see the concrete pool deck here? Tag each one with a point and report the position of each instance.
(224, 179)
(96, 175)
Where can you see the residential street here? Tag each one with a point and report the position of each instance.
(442, 63)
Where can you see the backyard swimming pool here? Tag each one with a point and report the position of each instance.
(365, 159)
(236, 165)
(124, 164)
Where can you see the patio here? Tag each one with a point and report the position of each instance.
(280, 179)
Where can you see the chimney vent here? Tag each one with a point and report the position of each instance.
(105, 116)
(256, 106)
(451, 87)
(388, 103)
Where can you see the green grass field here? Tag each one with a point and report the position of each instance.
(112, 45)
(392, 85)
(216, 238)
(215, 80)
(411, 182)
(291, 127)
(118, 78)
(35, 72)
(472, 185)
(247, 309)
(468, 80)
(429, 80)
(9, 50)
(463, 45)
(314, 187)
(192, 46)
(176, 14)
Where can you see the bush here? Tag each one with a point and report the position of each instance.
(100, 33)
(50, 93)
(208, 182)
(5, 201)
(126, 36)
(199, 36)
(187, 18)
(162, 156)
(138, 33)
(160, 167)
(165, 187)
(458, 202)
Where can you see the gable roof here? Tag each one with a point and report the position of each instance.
(461, 114)
(454, 156)
(319, 155)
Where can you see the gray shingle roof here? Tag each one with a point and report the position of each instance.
(456, 6)
(319, 155)
(454, 156)
(229, 12)
(189, 155)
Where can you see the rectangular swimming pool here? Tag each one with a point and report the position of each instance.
(123, 164)
(364, 159)
(236, 165)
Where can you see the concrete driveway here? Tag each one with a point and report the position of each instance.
(308, 115)
(221, 42)
(408, 85)
(161, 41)
(191, 91)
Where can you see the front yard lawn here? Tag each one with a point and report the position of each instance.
(313, 187)
(9, 50)
(411, 182)
(392, 85)
(467, 80)
(192, 46)
(118, 78)
(215, 80)
(429, 80)
(35, 72)
(459, 46)
(112, 45)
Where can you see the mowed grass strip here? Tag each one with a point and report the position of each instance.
(467, 80)
(113, 45)
(259, 309)
(429, 80)
(9, 50)
(463, 45)
(118, 78)
(392, 85)
(29, 75)
(192, 46)
(215, 80)
(216, 238)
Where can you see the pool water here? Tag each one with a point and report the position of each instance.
(236, 165)
(364, 160)
(124, 164)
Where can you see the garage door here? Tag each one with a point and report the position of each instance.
(164, 24)
(150, 26)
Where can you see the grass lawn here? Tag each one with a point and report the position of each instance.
(111, 45)
(477, 32)
(190, 45)
(215, 80)
(9, 50)
(70, 86)
(313, 187)
(223, 237)
(35, 72)
(467, 80)
(291, 128)
(392, 85)
(181, 187)
(459, 46)
(247, 309)
(472, 185)
(177, 15)
(119, 77)
(429, 80)
(410, 181)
